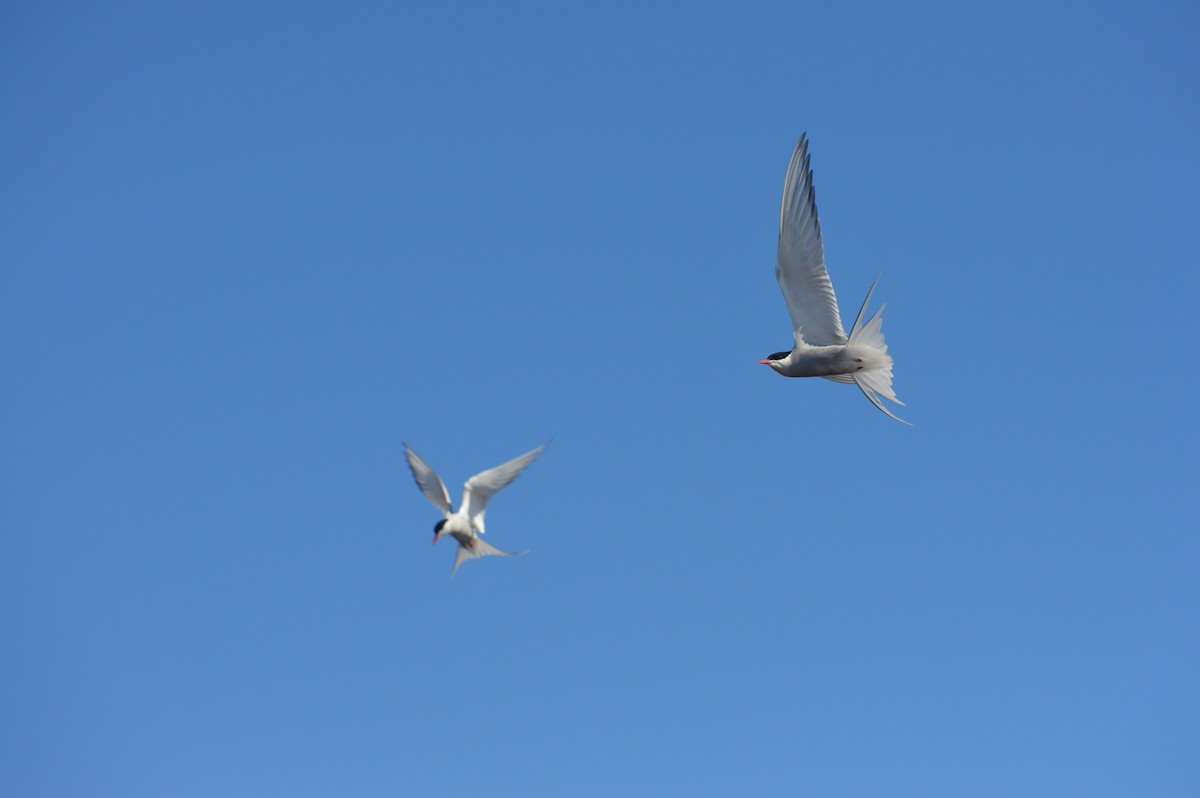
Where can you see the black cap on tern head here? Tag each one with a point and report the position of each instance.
(778, 356)
(437, 528)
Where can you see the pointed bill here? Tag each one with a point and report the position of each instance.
(428, 481)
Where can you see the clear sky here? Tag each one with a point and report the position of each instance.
(247, 249)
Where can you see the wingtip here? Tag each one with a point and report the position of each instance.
(862, 310)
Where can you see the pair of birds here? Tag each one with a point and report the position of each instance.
(821, 348)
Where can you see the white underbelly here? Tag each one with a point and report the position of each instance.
(829, 361)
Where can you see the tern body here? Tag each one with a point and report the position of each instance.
(821, 346)
(829, 361)
(466, 524)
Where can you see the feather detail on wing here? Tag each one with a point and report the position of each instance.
(801, 271)
(428, 481)
(481, 487)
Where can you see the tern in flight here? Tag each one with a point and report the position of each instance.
(466, 525)
(822, 348)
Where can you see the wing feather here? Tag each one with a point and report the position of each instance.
(428, 480)
(481, 487)
(801, 271)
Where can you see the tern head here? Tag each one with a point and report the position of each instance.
(437, 530)
(775, 361)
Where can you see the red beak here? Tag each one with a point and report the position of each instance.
(765, 362)
(434, 543)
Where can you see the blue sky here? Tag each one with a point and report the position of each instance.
(250, 248)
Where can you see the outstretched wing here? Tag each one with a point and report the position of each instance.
(801, 270)
(474, 548)
(482, 487)
(428, 480)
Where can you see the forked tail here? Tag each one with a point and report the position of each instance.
(476, 547)
(876, 380)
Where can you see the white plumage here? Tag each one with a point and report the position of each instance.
(466, 525)
(821, 347)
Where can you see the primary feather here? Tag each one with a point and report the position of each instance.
(800, 269)
(481, 487)
(428, 480)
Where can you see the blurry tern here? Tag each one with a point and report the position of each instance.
(822, 348)
(466, 525)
